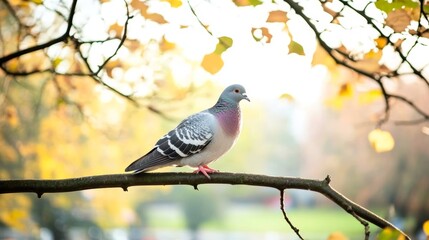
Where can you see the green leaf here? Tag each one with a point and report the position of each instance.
(223, 45)
(295, 47)
(389, 234)
(389, 5)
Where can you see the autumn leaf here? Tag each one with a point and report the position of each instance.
(381, 42)
(262, 33)
(212, 63)
(370, 96)
(390, 234)
(398, 20)
(320, 56)
(295, 47)
(243, 3)
(56, 62)
(346, 90)
(223, 45)
(389, 5)
(116, 29)
(381, 141)
(38, 2)
(329, 11)
(143, 7)
(166, 45)
(13, 65)
(132, 45)
(370, 61)
(426, 227)
(337, 236)
(287, 96)
(174, 3)
(277, 16)
(110, 66)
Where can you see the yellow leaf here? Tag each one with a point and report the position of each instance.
(346, 90)
(373, 55)
(322, 57)
(13, 65)
(287, 96)
(381, 141)
(370, 96)
(336, 103)
(337, 236)
(426, 227)
(212, 63)
(381, 42)
(295, 47)
(38, 2)
(277, 16)
(165, 45)
(56, 62)
(174, 3)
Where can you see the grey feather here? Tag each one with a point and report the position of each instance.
(190, 137)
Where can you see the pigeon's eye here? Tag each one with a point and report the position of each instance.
(236, 90)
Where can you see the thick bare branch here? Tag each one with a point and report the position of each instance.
(125, 181)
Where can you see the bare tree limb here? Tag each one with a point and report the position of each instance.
(125, 181)
(61, 38)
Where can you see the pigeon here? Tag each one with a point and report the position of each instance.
(200, 138)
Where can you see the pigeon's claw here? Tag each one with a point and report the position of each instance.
(205, 170)
(209, 170)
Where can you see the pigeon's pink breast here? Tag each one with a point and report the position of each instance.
(230, 121)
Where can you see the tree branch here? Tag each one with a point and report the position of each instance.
(282, 208)
(61, 38)
(125, 181)
(342, 58)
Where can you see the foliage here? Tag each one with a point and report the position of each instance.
(72, 73)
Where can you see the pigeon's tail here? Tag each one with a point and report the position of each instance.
(151, 161)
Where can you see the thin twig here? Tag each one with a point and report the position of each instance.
(282, 208)
(363, 222)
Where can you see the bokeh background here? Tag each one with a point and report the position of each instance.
(307, 118)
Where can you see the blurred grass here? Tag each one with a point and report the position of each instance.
(319, 221)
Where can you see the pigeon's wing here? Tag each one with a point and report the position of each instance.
(190, 137)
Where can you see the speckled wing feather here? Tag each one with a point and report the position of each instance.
(190, 137)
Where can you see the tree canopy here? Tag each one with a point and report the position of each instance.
(81, 79)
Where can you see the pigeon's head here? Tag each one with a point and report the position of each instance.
(234, 93)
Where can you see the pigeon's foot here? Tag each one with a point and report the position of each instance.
(205, 170)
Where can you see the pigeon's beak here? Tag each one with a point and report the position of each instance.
(245, 96)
